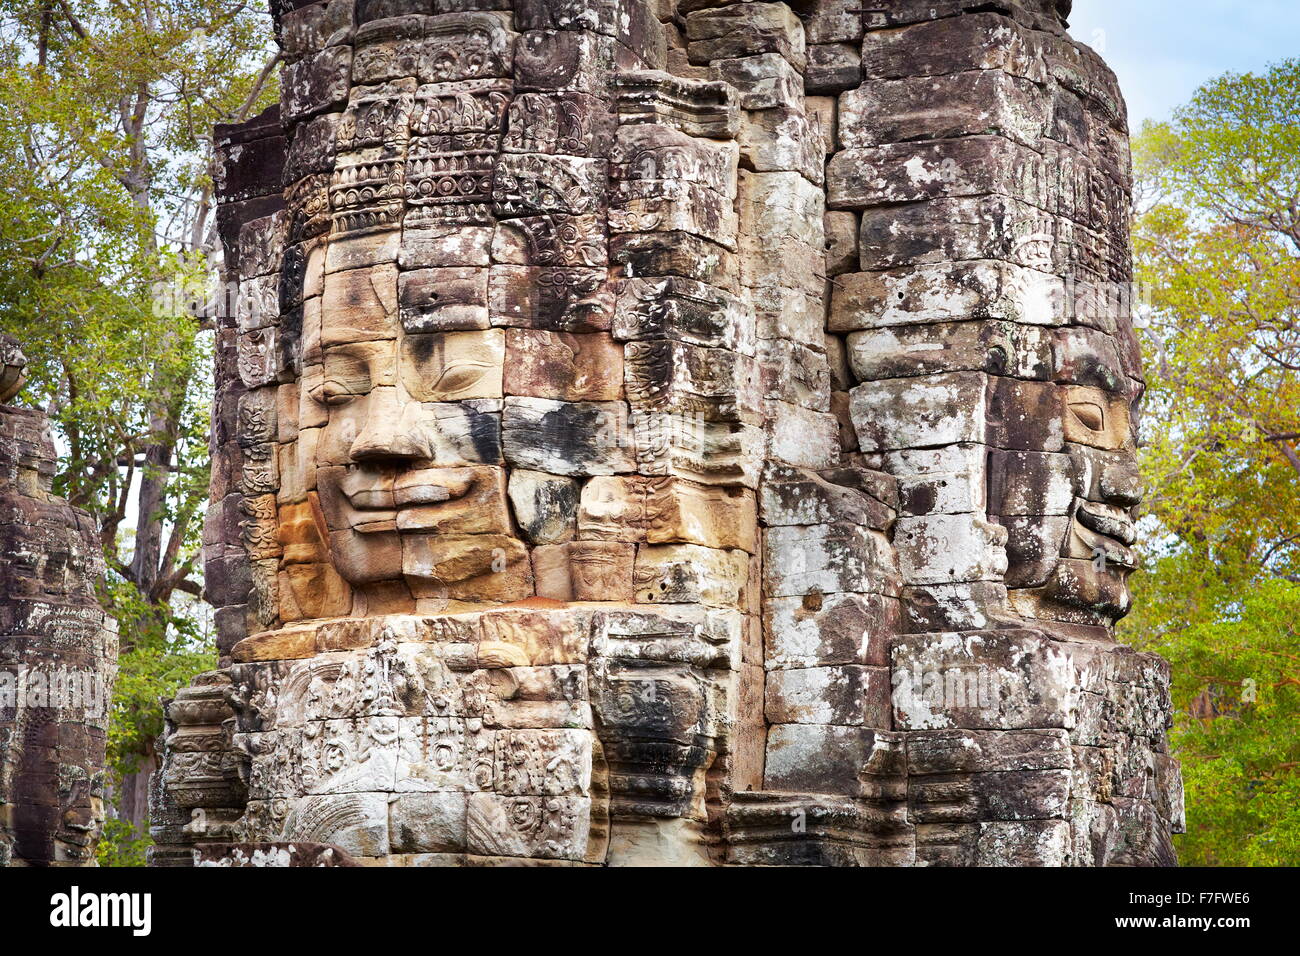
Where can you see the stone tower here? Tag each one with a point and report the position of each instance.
(58, 650)
(658, 432)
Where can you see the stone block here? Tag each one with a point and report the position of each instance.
(689, 574)
(941, 107)
(567, 438)
(828, 558)
(940, 47)
(443, 299)
(529, 826)
(545, 506)
(816, 758)
(691, 380)
(950, 549)
(841, 694)
(682, 310)
(663, 510)
(926, 411)
(427, 823)
(952, 479)
(563, 366)
(764, 82)
(833, 67)
(992, 680)
(945, 292)
(579, 61)
(745, 29)
(862, 178)
(801, 436)
(602, 570)
(452, 366)
(791, 496)
(828, 629)
(999, 348)
(360, 305)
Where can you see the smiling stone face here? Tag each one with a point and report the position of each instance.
(1097, 555)
(408, 450)
(1069, 514)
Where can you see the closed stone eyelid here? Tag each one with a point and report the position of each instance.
(1089, 414)
(326, 394)
(467, 369)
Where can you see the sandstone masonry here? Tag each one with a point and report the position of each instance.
(660, 432)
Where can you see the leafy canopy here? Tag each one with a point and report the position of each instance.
(1217, 245)
(106, 232)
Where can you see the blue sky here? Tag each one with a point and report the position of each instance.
(1163, 50)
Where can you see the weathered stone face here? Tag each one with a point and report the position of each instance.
(647, 424)
(58, 650)
(1069, 513)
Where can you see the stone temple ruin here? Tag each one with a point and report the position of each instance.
(691, 432)
(58, 650)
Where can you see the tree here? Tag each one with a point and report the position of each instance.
(106, 231)
(1217, 244)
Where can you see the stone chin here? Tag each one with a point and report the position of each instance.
(1089, 590)
(365, 558)
(1079, 586)
(1087, 581)
(369, 556)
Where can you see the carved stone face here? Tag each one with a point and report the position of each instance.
(766, 398)
(13, 365)
(407, 463)
(1070, 513)
(1096, 555)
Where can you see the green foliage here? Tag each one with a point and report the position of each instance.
(167, 648)
(106, 225)
(1217, 244)
(122, 845)
(1236, 665)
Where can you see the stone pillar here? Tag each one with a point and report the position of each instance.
(58, 650)
(988, 324)
(620, 405)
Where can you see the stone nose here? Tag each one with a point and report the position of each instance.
(382, 437)
(1121, 483)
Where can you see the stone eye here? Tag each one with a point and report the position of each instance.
(346, 376)
(461, 375)
(332, 393)
(1091, 415)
